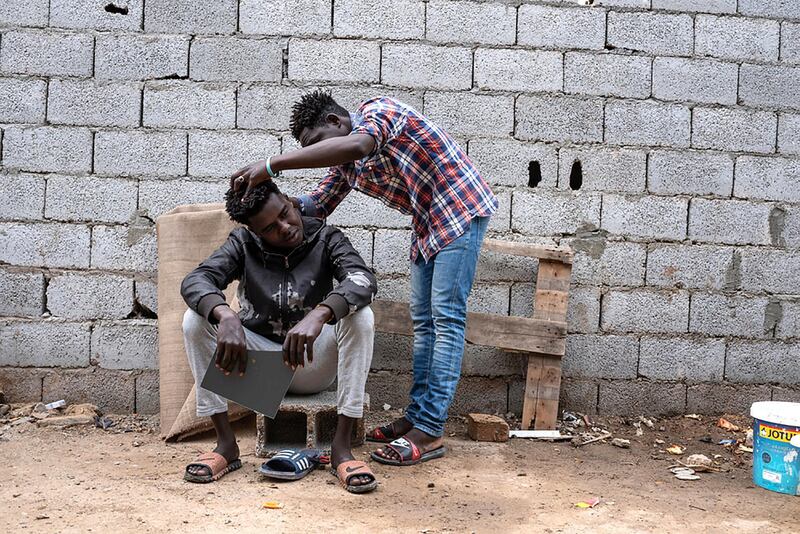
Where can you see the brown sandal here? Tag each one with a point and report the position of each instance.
(215, 463)
(353, 468)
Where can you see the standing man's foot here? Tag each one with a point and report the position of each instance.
(414, 447)
(388, 433)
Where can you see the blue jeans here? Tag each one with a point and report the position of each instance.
(439, 291)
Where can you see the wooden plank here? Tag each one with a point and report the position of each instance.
(547, 394)
(511, 333)
(529, 404)
(530, 250)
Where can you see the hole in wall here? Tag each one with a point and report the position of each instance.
(117, 10)
(534, 173)
(576, 176)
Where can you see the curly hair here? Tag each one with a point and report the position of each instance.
(241, 207)
(310, 111)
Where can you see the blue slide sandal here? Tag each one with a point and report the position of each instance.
(291, 464)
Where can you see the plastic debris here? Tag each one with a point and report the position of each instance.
(743, 448)
(686, 476)
(726, 442)
(727, 425)
(57, 404)
(748, 440)
(647, 422)
(588, 503)
(621, 443)
(676, 449)
(272, 505)
(694, 416)
(103, 422)
(387, 407)
(700, 462)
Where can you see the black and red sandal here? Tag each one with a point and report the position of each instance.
(409, 453)
(383, 434)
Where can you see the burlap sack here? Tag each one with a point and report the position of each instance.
(186, 236)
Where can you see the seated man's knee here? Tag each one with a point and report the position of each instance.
(193, 323)
(363, 320)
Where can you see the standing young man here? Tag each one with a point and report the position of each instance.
(390, 151)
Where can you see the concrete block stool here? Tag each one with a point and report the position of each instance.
(303, 421)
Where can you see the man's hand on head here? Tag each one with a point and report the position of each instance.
(231, 342)
(250, 176)
(300, 339)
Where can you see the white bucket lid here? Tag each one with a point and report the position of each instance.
(782, 413)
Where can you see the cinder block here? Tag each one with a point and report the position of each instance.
(46, 53)
(757, 362)
(789, 133)
(646, 216)
(559, 118)
(767, 178)
(583, 310)
(604, 169)
(24, 196)
(576, 396)
(45, 244)
(691, 267)
(44, 344)
(126, 248)
(719, 399)
(93, 14)
(626, 3)
(351, 97)
(554, 27)
(362, 241)
(190, 16)
(299, 17)
(769, 8)
(157, 197)
(607, 74)
(111, 391)
(392, 251)
(501, 220)
(419, 65)
(643, 310)
(695, 80)
(480, 394)
(22, 100)
(388, 387)
(647, 123)
(24, 13)
(468, 114)
(126, 344)
(641, 397)
(147, 392)
(759, 273)
(92, 104)
(697, 359)
(737, 38)
(723, 315)
(189, 105)
(595, 356)
(398, 19)
(790, 42)
(734, 130)
(73, 198)
(267, 106)
(784, 394)
(653, 33)
(79, 296)
(551, 213)
(690, 173)
(22, 294)
(21, 385)
(489, 298)
(771, 86)
(336, 60)
(789, 234)
(704, 6)
(612, 263)
(469, 22)
(47, 149)
(516, 70)
(496, 266)
(487, 361)
(141, 57)
(358, 209)
(229, 58)
(220, 154)
(732, 222)
(394, 352)
(146, 294)
(304, 421)
(511, 162)
(138, 153)
(482, 427)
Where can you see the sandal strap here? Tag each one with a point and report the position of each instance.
(345, 471)
(214, 461)
(405, 449)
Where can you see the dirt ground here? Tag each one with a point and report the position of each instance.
(86, 479)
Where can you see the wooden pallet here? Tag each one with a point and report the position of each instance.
(541, 339)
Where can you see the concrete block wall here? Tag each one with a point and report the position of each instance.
(659, 138)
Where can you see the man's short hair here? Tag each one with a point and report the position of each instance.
(312, 108)
(241, 207)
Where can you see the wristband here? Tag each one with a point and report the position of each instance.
(269, 169)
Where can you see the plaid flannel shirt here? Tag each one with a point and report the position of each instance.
(415, 168)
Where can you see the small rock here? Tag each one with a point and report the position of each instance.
(748, 440)
(483, 427)
(66, 421)
(4, 409)
(698, 459)
(621, 443)
(137, 443)
(431, 485)
(82, 409)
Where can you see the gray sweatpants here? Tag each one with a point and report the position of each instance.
(344, 349)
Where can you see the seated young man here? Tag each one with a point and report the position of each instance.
(285, 264)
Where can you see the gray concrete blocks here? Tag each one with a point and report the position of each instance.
(22, 292)
(140, 153)
(645, 216)
(559, 118)
(47, 343)
(737, 38)
(300, 17)
(458, 22)
(607, 263)
(705, 6)
(190, 16)
(46, 53)
(725, 315)
(604, 169)
(24, 194)
(21, 385)
(468, 113)
(765, 178)
(731, 222)
(514, 163)
(700, 359)
(645, 310)
(789, 324)
(22, 100)
(718, 399)
(601, 356)
(147, 392)
(515, 70)
(626, 397)
(692, 267)
(690, 173)
(129, 344)
(74, 198)
(695, 80)
(769, 86)
(266, 106)
(220, 154)
(419, 65)
(576, 395)
(88, 103)
(45, 244)
(141, 57)
(607, 74)
(92, 14)
(131, 248)
(756, 362)
(790, 42)
(111, 391)
(230, 58)
(653, 33)
(392, 251)
(157, 197)
(399, 19)
(24, 13)
(79, 296)
(554, 27)
(549, 212)
(187, 105)
(47, 149)
(758, 271)
(769, 8)
(344, 61)
(647, 123)
(734, 130)
(789, 133)
(146, 294)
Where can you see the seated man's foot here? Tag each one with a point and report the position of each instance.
(414, 447)
(228, 450)
(341, 454)
(385, 434)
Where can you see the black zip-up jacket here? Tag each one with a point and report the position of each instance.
(276, 289)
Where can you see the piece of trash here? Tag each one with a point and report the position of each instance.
(387, 407)
(676, 449)
(726, 442)
(748, 440)
(137, 443)
(103, 422)
(647, 422)
(621, 443)
(694, 416)
(57, 404)
(639, 431)
(697, 460)
(536, 434)
(581, 441)
(743, 448)
(686, 476)
(588, 503)
(727, 425)
(659, 441)
(681, 469)
(272, 505)
(705, 439)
